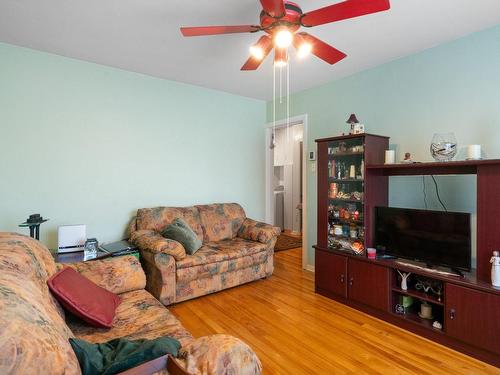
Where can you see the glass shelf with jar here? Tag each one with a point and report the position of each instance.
(346, 229)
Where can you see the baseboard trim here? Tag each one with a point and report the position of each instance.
(309, 267)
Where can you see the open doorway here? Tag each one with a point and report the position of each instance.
(286, 149)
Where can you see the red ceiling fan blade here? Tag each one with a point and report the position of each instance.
(215, 30)
(275, 8)
(265, 43)
(319, 48)
(344, 10)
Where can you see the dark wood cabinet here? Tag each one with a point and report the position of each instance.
(331, 273)
(351, 181)
(473, 317)
(368, 284)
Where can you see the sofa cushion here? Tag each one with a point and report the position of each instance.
(200, 287)
(220, 251)
(139, 316)
(181, 232)
(158, 218)
(85, 299)
(185, 275)
(115, 274)
(33, 334)
(220, 221)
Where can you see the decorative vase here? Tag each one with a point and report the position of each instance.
(443, 146)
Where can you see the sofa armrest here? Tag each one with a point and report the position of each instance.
(257, 231)
(116, 274)
(160, 276)
(219, 354)
(151, 241)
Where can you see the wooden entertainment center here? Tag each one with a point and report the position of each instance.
(468, 308)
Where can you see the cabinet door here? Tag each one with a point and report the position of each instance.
(331, 273)
(369, 284)
(473, 317)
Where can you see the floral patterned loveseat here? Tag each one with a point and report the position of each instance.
(235, 250)
(34, 330)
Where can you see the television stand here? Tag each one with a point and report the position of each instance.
(421, 266)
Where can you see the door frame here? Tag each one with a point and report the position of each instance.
(300, 119)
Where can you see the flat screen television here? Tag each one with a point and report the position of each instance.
(435, 238)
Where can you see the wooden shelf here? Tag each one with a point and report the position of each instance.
(346, 251)
(346, 200)
(469, 281)
(351, 240)
(341, 181)
(420, 295)
(347, 153)
(349, 136)
(414, 318)
(431, 168)
(349, 221)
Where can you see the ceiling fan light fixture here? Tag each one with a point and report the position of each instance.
(257, 52)
(283, 38)
(304, 50)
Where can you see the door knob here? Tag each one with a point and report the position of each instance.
(452, 314)
(351, 281)
(342, 278)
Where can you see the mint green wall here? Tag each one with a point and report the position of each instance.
(453, 87)
(84, 143)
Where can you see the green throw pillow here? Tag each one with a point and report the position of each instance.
(181, 232)
(118, 355)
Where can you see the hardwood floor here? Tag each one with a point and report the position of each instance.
(295, 331)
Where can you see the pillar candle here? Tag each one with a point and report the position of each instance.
(474, 152)
(390, 157)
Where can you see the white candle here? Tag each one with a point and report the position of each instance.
(474, 152)
(390, 157)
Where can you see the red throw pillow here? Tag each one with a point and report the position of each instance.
(85, 299)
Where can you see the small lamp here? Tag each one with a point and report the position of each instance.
(33, 222)
(352, 121)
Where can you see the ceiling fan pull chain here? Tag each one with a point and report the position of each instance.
(281, 84)
(288, 94)
(274, 105)
(288, 106)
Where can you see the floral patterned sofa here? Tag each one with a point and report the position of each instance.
(235, 250)
(34, 330)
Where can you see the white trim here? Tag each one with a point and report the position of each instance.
(309, 268)
(301, 119)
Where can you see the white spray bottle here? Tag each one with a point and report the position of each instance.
(495, 269)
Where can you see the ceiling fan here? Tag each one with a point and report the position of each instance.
(282, 19)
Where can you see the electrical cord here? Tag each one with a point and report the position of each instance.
(425, 194)
(437, 193)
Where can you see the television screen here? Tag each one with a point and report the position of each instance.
(436, 238)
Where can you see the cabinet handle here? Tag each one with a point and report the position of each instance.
(452, 314)
(351, 281)
(342, 278)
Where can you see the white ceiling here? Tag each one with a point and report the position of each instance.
(143, 36)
